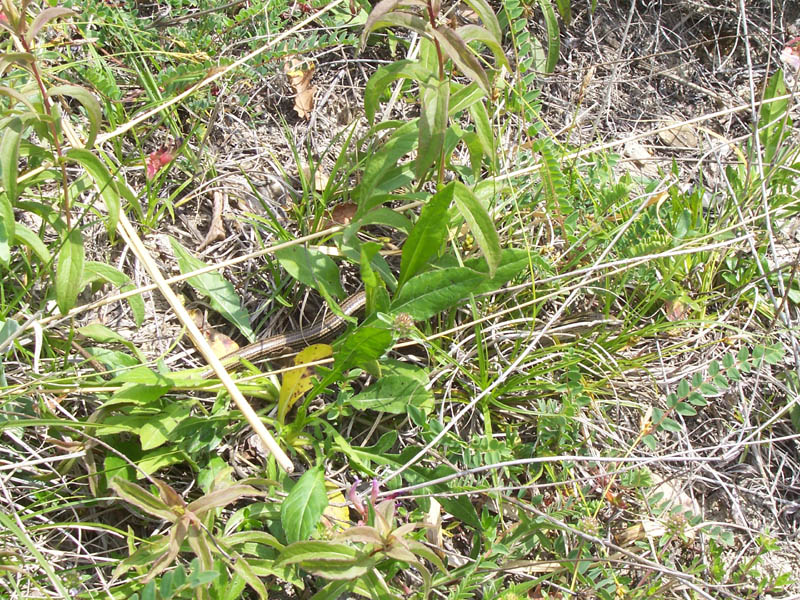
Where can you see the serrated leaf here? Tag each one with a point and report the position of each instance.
(222, 296)
(481, 225)
(303, 507)
(428, 234)
(69, 271)
(43, 18)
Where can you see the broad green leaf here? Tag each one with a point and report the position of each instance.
(432, 292)
(553, 40)
(89, 103)
(303, 507)
(220, 292)
(156, 431)
(141, 498)
(428, 235)
(455, 48)
(159, 458)
(69, 271)
(104, 181)
(393, 394)
(435, 96)
(140, 394)
(43, 18)
(313, 268)
(481, 225)
(383, 77)
(672, 425)
(364, 345)
(25, 236)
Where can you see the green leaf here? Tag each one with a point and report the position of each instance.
(43, 18)
(69, 271)
(488, 18)
(9, 158)
(474, 33)
(25, 236)
(10, 231)
(315, 549)
(220, 292)
(313, 268)
(246, 572)
(392, 394)
(434, 97)
(222, 497)
(383, 15)
(649, 441)
(303, 507)
(671, 425)
(384, 76)
(103, 334)
(364, 345)
(104, 181)
(455, 48)
(432, 292)
(97, 271)
(156, 431)
(685, 409)
(89, 103)
(23, 59)
(428, 235)
(683, 389)
(481, 225)
(553, 41)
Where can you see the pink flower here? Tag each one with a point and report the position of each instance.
(790, 56)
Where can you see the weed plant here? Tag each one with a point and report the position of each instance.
(544, 336)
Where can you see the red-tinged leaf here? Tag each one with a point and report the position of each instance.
(220, 498)
(161, 157)
(365, 534)
(455, 48)
(397, 19)
(43, 18)
(378, 16)
(69, 271)
(168, 495)
(315, 549)
(141, 498)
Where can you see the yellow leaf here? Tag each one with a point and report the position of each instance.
(297, 381)
(336, 517)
